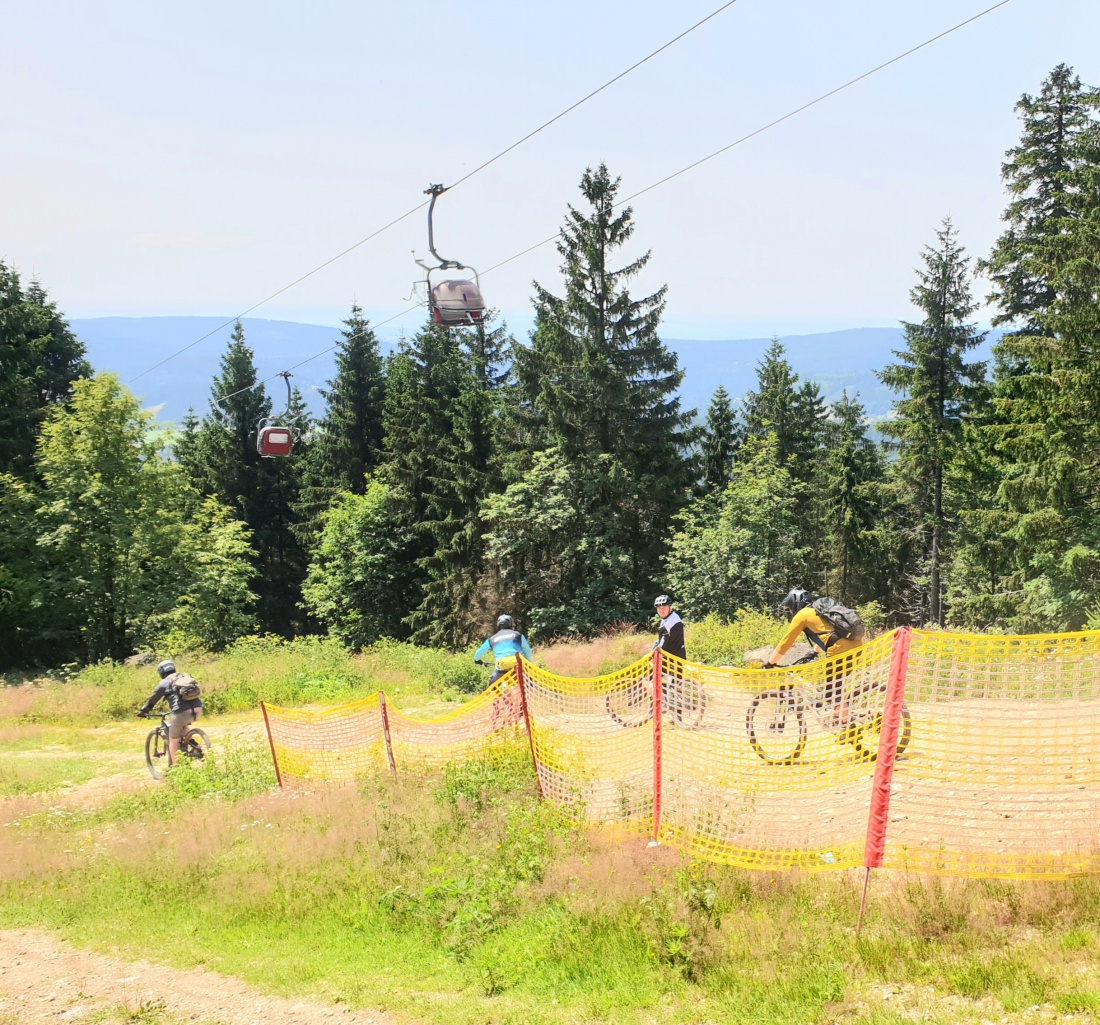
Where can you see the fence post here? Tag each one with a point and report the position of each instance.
(521, 679)
(386, 730)
(271, 744)
(657, 717)
(878, 815)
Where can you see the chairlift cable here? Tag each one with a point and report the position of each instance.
(694, 164)
(595, 92)
(420, 206)
(770, 124)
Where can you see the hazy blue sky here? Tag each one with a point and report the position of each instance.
(192, 158)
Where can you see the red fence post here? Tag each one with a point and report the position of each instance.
(657, 717)
(271, 744)
(522, 681)
(386, 730)
(878, 815)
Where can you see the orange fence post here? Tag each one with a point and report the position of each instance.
(877, 817)
(657, 717)
(386, 731)
(521, 680)
(271, 743)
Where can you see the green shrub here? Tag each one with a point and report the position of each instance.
(439, 669)
(716, 642)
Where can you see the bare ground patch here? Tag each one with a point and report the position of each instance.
(45, 980)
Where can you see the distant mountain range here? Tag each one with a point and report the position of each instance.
(837, 360)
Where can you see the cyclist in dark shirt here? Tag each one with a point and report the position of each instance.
(670, 634)
(184, 711)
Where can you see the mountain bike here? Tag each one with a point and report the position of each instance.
(193, 744)
(506, 709)
(777, 727)
(684, 700)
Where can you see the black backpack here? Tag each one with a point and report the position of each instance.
(185, 685)
(845, 622)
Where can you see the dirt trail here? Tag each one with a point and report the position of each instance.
(44, 980)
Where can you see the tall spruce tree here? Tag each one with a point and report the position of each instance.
(603, 389)
(938, 388)
(1038, 174)
(795, 415)
(438, 464)
(1045, 428)
(347, 444)
(851, 468)
(721, 439)
(453, 609)
(40, 358)
(223, 462)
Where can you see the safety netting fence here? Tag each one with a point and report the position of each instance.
(955, 754)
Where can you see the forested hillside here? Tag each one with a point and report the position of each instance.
(559, 477)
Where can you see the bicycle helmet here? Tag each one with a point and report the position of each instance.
(505, 623)
(166, 668)
(795, 601)
(661, 599)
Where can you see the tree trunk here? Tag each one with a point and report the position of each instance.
(935, 604)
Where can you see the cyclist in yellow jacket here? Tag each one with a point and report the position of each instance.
(805, 620)
(823, 638)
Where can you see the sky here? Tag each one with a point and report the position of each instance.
(195, 158)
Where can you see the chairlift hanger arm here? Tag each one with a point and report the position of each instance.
(435, 191)
(286, 375)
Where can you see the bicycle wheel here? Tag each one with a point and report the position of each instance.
(776, 725)
(506, 710)
(686, 700)
(865, 739)
(194, 745)
(156, 754)
(630, 706)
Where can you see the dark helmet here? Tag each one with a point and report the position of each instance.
(166, 668)
(797, 600)
(661, 599)
(505, 623)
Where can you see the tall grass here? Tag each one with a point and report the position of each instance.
(462, 898)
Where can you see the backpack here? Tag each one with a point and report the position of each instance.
(845, 622)
(185, 686)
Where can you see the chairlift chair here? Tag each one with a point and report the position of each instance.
(452, 302)
(275, 435)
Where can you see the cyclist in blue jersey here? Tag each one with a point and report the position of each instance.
(505, 645)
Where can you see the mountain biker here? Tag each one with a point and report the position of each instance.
(505, 645)
(670, 634)
(805, 620)
(184, 711)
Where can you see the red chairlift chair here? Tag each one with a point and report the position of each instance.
(453, 302)
(275, 435)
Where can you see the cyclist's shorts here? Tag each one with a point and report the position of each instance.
(177, 725)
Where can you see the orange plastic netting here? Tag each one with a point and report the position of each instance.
(995, 769)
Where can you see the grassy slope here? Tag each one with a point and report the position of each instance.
(466, 900)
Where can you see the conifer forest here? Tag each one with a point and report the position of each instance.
(557, 476)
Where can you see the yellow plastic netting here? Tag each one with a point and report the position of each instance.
(334, 745)
(772, 769)
(484, 726)
(997, 767)
(1002, 777)
(593, 743)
